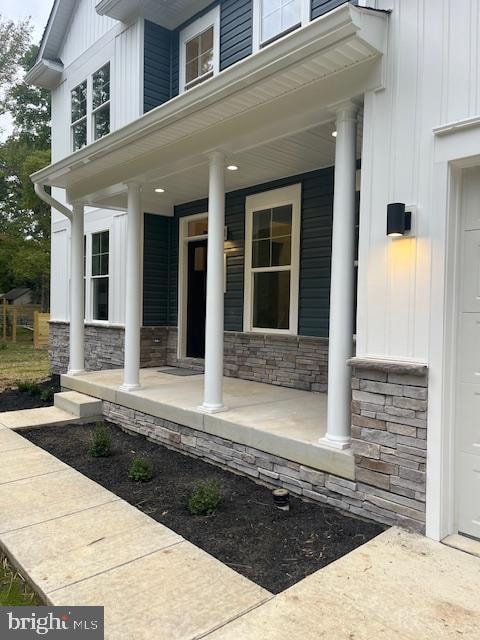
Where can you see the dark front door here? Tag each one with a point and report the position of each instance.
(197, 298)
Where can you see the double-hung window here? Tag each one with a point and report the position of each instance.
(199, 50)
(100, 275)
(90, 108)
(79, 116)
(274, 18)
(101, 102)
(272, 260)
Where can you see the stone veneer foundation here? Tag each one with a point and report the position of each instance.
(389, 444)
(297, 362)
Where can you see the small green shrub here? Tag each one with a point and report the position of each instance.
(47, 395)
(205, 498)
(25, 386)
(3, 345)
(141, 469)
(101, 442)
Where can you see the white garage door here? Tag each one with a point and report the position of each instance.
(468, 364)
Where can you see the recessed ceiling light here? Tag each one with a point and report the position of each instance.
(334, 134)
(159, 190)
(232, 167)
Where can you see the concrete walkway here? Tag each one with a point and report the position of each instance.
(80, 544)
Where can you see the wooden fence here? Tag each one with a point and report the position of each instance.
(40, 329)
(24, 322)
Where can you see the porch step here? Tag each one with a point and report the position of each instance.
(78, 404)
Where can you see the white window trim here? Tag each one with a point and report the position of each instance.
(269, 199)
(90, 115)
(257, 22)
(89, 319)
(194, 29)
(183, 240)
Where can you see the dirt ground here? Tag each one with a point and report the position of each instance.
(40, 395)
(273, 548)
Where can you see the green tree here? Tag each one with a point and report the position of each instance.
(24, 218)
(15, 38)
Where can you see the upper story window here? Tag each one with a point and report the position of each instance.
(90, 108)
(101, 102)
(200, 50)
(274, 18)
(79, 116)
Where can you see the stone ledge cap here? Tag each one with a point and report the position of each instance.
(391, 366)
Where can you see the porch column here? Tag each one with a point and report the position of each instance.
(213, 381)
(342, 280)
(133, 288)
(77, 296)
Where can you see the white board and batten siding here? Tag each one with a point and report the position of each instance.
(90, 42)
(432, 77)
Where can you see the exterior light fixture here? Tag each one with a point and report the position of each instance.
(232, 167)
(334, 134)
(399, 221)
(159, 190)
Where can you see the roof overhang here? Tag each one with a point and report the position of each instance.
(45, 73)
(168, 13)
(297, 78)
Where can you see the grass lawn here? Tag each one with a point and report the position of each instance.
(14, 591)
(19, 361)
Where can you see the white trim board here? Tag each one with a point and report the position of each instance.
(182, 311)
(266, 200)
(212, 18)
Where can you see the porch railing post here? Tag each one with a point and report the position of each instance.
(133, 288)
(342, 280)
(77, 295)
(213, 382)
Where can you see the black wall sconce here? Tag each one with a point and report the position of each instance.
(399, 221)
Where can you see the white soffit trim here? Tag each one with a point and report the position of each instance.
(342, 39)
(168, 13)
(45, 73)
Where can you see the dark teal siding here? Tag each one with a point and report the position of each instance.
(161, 69)
(315, 252)
(319, 7)
(156, 270)
(157, 66)
(236, 30)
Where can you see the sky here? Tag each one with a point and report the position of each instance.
(38, 10)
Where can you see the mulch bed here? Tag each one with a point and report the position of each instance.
(14, 400)
(273, 548)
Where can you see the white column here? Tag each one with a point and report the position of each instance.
(213, 381)
(133, 288)
(342, 281)
(77, 296)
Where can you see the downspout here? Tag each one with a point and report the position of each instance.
(51, 201)
(77, 311)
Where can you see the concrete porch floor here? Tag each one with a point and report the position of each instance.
(280, 421)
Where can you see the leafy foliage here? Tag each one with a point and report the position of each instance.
(26, 386)
(141, 469)
(24, 218)
(205, 498)
(101, 442)
(15, 39)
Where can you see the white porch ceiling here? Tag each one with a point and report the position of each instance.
(271, 114)
(291, 155)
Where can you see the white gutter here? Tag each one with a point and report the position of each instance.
(51, 201)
